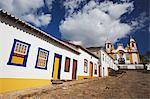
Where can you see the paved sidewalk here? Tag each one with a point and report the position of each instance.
(129, 85)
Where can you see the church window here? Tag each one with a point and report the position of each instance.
(132, 44)
(19, 53)
(85, 65)
(42, 59)
(108, 46)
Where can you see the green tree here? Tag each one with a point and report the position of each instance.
(146, 57)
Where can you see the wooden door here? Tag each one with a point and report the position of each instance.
(56, 67)
(74, 70)
(91, 70)
(99, 70)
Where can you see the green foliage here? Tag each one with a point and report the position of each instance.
(146, 57)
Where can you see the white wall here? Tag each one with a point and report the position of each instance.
(134, 58)
(7, 36)
(127, 61)
(82, 56)
(107, 62)
(148, 66)
(131, 66)
(104, 64)
(125, 57)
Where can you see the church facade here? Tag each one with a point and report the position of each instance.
(121, 55)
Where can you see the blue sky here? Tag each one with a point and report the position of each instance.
(87, 22)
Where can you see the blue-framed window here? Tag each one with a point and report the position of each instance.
(42, 59)
(19, 53)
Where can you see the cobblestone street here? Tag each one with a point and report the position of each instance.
(129, 85)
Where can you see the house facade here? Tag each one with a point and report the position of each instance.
(32, 58)
(106, 61)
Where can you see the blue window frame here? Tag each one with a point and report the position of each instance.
(42, 59)
(19, 53)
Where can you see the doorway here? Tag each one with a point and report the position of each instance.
(74, 70)
(91, 70)
(99, 70)
(103, 72)
(56, 67)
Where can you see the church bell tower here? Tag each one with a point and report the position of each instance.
(132, 45)
(108, 46)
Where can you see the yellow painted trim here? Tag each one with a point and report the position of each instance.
(85, 77)
(94, 76)
(56, 67)
(17, 60)
(13, 84)
(139, 61)
(111, 55)
(131, 60)
(91, 70)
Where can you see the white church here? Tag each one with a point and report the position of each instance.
(121, 55)
(124, 58)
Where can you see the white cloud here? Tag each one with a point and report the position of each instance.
(115, 10)
(38, 20)
(140, 22)
(96, 22)
(27, 10)
(6, 4)
(76, 42)
(70, 5)
(49, 4)
(24, 6)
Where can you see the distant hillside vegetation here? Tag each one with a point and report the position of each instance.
(146, 57)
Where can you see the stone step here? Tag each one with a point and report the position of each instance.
(57, 82)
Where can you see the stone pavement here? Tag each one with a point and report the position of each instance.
(132, 84)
